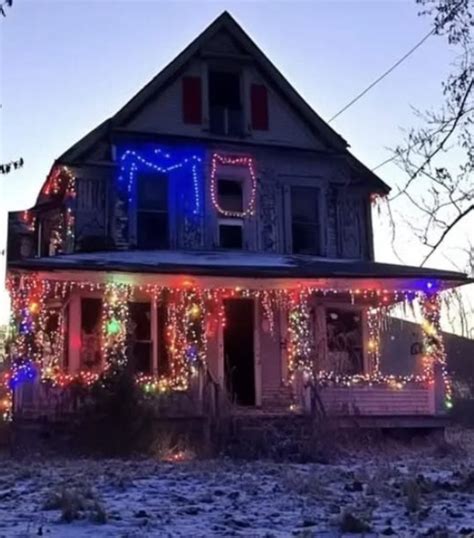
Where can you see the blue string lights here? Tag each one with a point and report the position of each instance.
(163, 161)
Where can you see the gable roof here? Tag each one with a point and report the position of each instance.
(224, 22)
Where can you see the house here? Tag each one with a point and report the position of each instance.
(216, 232)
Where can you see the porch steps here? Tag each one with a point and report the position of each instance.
(277, 398)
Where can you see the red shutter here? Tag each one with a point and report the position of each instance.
(259, 107)
(192, 105)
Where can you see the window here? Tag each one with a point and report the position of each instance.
(91, 326)
(229, 194)
(163, 354)
(140, 337)
(152, 211)
(344, 338)
(225, 109)
(231, 233)
(305, 220)
(192, 103)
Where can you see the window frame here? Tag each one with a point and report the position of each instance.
(321, 325)
(288, 212)
(230, 221)
(137, 211)
(238, 72)
(240, 181)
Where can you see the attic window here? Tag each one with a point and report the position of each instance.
(225, 104)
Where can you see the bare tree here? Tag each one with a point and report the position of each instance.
(438, 157)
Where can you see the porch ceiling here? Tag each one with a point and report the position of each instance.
(318, 272)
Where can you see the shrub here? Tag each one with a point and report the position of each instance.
(117, 419)
(353, 524)
(76, 503)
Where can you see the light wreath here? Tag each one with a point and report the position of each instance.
(234, 161)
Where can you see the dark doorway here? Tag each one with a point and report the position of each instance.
(239, 350)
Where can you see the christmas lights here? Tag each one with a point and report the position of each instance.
(247, 162)
(163, 162)
(300, 340)
(434, 352)
(192, 314)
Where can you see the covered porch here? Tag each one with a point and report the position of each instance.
(213, 337)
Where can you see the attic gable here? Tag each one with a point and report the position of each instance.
(223, 38)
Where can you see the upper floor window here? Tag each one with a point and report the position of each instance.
(231, 198)
(305, 228)
(152, 211)
(225, 103)
(230, 194)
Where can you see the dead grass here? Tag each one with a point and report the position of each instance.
(80, 502)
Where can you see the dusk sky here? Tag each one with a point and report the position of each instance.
(67, 65)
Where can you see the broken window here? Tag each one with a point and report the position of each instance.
(344, 341)
(225, 108)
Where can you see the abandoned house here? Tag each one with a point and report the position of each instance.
(216, 232)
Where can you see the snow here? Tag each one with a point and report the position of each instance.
(193, 258)
(144, 497)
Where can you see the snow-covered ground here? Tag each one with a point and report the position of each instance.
(416, 492)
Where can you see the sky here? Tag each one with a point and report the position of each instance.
(66, 65)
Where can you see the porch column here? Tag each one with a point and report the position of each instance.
(300, 344)
(434, 358)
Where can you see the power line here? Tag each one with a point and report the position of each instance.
(383, 75)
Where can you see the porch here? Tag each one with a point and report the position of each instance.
(214, 345)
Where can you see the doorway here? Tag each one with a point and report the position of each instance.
(239, 355)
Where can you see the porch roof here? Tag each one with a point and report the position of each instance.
(239, 264)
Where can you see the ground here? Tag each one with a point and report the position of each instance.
(415, 491)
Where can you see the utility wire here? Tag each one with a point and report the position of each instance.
(383, 75)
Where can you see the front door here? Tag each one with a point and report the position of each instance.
(239, 365)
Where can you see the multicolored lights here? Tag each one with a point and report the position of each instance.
(191, 313)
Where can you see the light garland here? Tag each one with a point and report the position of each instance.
(62, 182)
(374, 322)
(191, 310)
(163, 162)
(300, 338)
(248, 162)
(115, 316)
(433, 344)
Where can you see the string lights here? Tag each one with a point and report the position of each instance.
(434, 352)
(162, 162)
(192, 311)
(223, 160)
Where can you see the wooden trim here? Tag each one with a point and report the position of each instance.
(362, 309)
(257, 353)
(283, 344)
(74, 332)
(154, 335)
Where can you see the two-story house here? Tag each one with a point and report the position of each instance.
(216, 224)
